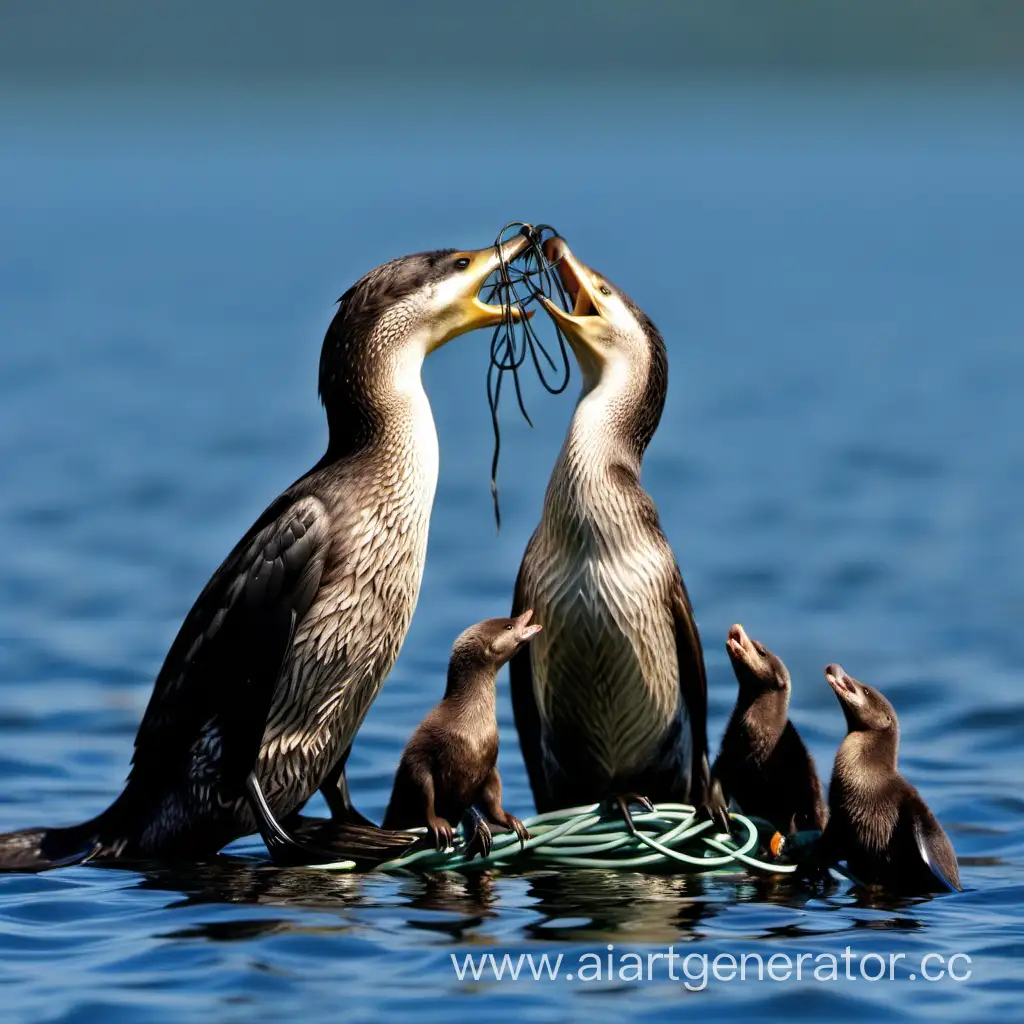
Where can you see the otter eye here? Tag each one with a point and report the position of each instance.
(508, 626)
(605, 290)
(462, 262)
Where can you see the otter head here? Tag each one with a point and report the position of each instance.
(757, 669)
(492, 642)
(866, 710)
(614, 341)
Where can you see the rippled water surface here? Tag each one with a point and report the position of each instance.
(837, 272)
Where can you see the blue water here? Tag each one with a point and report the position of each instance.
(836, 268)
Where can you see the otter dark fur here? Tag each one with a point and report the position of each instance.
(449, 766)
(878, 823)
(763, 765)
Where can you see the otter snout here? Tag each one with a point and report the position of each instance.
(737, 641)
(525, 632)
(843, 684)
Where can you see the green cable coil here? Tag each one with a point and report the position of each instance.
(668, 838)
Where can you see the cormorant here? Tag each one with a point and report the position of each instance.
(610, 700)
(274, 668)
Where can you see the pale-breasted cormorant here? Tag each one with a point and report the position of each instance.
(610, 700)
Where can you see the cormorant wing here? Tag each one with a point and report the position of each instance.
(936, 850)
(693, 686)
(212, 697)
(524, 703)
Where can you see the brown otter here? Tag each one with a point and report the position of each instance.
(449, 766)
(878, 823)
(763, 764)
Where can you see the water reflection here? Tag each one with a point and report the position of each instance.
(604, 905)
(449, 891)
(567, 907)
(228, 880)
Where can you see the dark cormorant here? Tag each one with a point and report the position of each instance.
(287, 646)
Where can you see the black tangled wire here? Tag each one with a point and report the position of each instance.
(518, 284)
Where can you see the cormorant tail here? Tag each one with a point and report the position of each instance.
(40, 849)
(367, 845)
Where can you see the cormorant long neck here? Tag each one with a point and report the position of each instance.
(615, 419)
(370, 384)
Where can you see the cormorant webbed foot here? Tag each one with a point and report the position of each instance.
(284, 849)
(519, 828)
(622, 803)
(716, 807)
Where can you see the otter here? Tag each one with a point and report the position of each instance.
(763, 765)
(878, 824)
(449, 767)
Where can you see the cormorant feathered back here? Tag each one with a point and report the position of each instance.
(277, 663)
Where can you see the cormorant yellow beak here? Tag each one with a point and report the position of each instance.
(578, 281)
(466, 311)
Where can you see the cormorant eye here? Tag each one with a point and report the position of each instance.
(462, 262)
(509, 626)
(605, 290)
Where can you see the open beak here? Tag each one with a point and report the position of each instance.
(577, 281)
(468, 310)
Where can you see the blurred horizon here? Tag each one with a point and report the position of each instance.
(821, 206)
(115, 41)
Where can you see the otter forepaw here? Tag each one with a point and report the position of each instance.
(512, 822)
(443, 833)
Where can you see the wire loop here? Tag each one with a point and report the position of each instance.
(518, 284)
(669, 838)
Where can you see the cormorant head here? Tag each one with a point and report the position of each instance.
(399, 313)
(866, 710)
(757, 669)
(612, 338)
